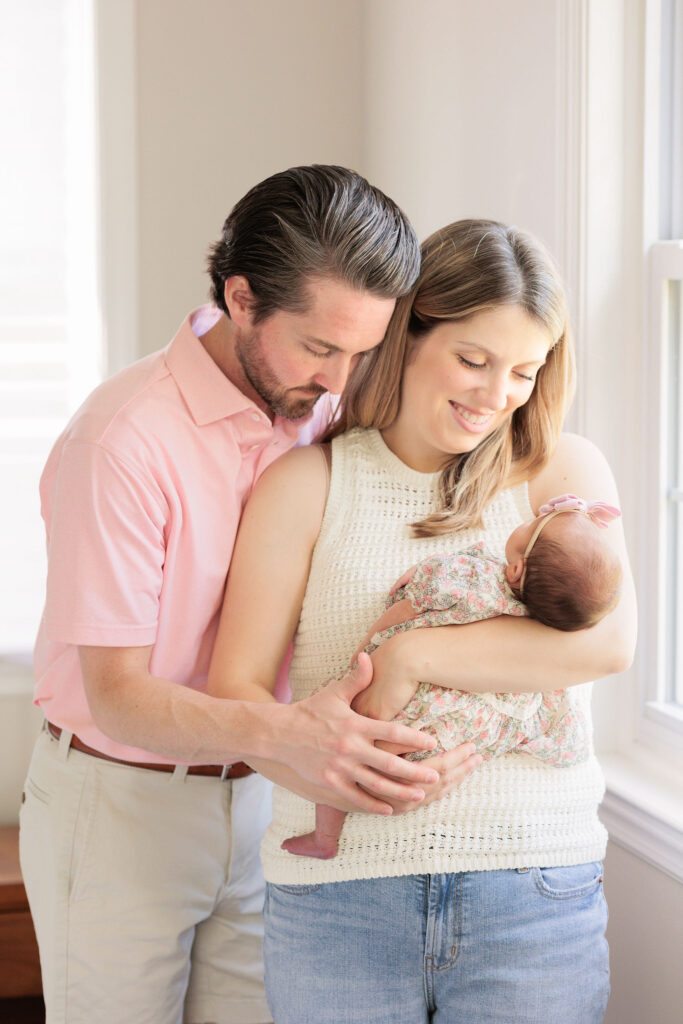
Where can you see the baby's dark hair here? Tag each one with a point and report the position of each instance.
(573, 578)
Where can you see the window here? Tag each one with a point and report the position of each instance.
(634, 270)
(663, 697)
(50, 344)
(665, 693)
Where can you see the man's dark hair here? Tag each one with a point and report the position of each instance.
(316, 221)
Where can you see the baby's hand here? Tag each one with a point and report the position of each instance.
(399, 612)
(403, 581)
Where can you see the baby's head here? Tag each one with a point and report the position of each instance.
(560, 565)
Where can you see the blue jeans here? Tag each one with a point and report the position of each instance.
(524, 946)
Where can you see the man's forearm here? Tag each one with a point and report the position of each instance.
(142, 710)
(321, 740)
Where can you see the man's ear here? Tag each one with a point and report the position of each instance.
(514, 570)
(239, 300)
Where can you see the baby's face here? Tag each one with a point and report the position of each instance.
(519, 538)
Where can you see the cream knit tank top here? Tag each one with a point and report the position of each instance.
(513, 811)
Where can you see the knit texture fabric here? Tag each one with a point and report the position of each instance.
(512, 811)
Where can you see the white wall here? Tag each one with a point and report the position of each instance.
(645, 934)
(461, 110)
(229, 93)
(20, 723)
(451, 118)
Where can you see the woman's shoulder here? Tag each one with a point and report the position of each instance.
(305, 461)
(298, 480)
(578, 466)
(575, 445)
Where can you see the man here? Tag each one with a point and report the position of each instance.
(140, 827)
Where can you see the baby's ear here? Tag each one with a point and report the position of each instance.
(514, 570)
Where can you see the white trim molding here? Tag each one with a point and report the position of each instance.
(661, 722)
(656, 835)
(571, 191)
(646, 835)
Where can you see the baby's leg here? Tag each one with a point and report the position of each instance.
(324, 841)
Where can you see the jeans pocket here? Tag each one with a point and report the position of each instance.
(571, 882)
(296, 890)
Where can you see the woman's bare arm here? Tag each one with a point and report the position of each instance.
(509, 654)
(265, 589)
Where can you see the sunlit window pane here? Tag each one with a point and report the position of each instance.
(46, 123)
(674, 545)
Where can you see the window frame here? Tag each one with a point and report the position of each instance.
(661, 718)
(637, 736)
(660, 722)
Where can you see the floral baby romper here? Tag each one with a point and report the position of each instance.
(466, 587)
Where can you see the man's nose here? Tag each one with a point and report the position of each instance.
(336, 373)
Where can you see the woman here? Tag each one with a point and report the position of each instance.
(487, 904)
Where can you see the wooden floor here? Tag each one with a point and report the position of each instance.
(22, 1011)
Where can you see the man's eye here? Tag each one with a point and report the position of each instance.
(319, 355)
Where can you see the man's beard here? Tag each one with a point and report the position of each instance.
(280, 399)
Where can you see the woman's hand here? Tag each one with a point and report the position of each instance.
(453, 767)
(391, 687)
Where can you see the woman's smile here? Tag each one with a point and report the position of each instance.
(465, 378)
(476, 421)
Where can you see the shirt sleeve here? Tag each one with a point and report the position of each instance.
(106, 550)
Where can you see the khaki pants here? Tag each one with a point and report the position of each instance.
(146, 890)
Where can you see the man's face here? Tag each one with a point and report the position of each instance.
(290, 359)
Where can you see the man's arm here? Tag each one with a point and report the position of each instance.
(319, 747)
(321, 739)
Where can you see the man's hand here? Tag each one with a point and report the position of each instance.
(331, 746)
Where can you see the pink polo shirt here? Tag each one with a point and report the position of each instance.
(141, 497)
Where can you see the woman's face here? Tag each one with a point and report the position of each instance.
(462, 382)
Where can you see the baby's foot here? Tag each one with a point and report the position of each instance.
(312, 845)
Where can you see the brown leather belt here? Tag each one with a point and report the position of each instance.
(232, 771)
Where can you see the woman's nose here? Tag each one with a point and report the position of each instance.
(495, 392)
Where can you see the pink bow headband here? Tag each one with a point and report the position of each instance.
(599, 512)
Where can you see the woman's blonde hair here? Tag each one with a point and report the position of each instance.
(467, 268)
